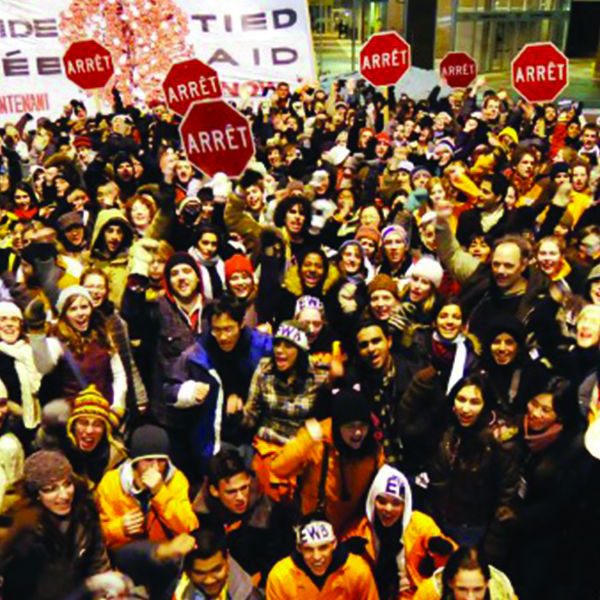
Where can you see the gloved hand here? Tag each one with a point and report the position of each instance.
(356, 545)
(439, 545)
(142, 254)
(346, 298)
(563, 195)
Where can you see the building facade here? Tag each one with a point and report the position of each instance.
(492, 31)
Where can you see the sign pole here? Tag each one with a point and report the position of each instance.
(96, 96)
(386, 106)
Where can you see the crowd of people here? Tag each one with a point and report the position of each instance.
(368, 368)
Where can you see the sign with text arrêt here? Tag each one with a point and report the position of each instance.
(88, 64)
(540, 72)
(216, 138)
(385, 58)
(189, 81)
(459, 69)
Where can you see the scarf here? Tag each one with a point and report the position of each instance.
(212, 274)
(540, 441)
(29, 380)
(459, 361)
(390, 568)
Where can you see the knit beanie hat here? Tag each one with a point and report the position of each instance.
(503, 323)
(72, 218)
(149, 441)
(384, 138)
(347, 243)
(45, 467)
(429, 268)
(82, 141)
(369, 232)
(91, 403)
(350, 405)
(250, 178)
(557, 168)
(68, 292)
(291, 331)
(180, 258)
(419, 169)
(394, 229)
(309, 302)
(446, 143)
(120, 158)
(511, 133)
(10, 309)
(238, 263)
(383, 282)
(41, 251)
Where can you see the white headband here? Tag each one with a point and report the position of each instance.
(315, 533)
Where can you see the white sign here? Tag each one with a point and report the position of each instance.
(254, 41)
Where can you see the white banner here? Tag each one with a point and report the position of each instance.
(254, 41)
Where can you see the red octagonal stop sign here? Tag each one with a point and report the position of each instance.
(458, 69)
(384, 58)
(88, 64)
(540, 72)
(189, 81)
(216, 137)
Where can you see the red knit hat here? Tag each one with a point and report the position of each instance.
(82, 141)
(237, 263)
(384, 137)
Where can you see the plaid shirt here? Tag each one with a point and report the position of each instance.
(277, 407)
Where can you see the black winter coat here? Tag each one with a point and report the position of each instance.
(165, 335)
(474, 482)
(40, 562)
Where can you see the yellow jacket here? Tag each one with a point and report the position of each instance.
(303, 456)
(351, 581)
(168, 514)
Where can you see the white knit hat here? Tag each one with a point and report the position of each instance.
(72, 290)
(429, 268)
(10, 309)
(291, 331)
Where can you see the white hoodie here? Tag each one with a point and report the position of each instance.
(391, 481)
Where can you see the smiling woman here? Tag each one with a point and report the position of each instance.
(282, 395)
(53, 555)
(18, 370)
(474, 477)
(80, 351)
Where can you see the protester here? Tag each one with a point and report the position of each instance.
(414, 241)
(12, 458)
(232, 497)
(467, 575)
(55, 542)
(209, 571)
(404, 545)
(474, 477)
(143, 502)
(320, 568)
(282, 395)
(335, 461)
